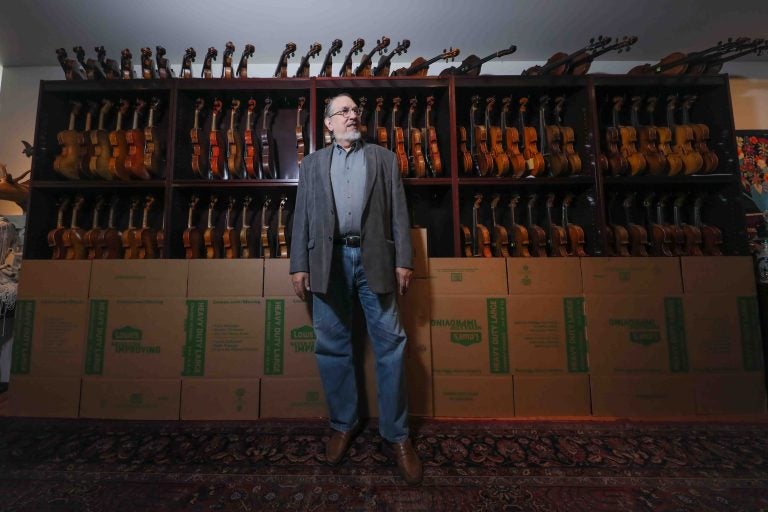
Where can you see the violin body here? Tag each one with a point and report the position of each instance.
(638, 240)
(102, 152)
(67, 163)
(465, 235)
(712, 240)
(134, 161)
(417, 154)
(537, 241)
(231, 241)
(193, 243)
(673, 159)
(558, 163)
(568, 138)
(399, 148)
(648, 137)
(217, 151)
(533, 158)
(483, 241)
(500, 158)
(617, 162)
(435, 162)
(512, 146)
(119, 154)
(466, 157)
(483, 158)
(618, 240)
(636, 160)
(692, 160)
(709, 157)
(500, 241)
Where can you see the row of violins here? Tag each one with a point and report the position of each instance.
(142, 241)
(565, 238)
(637, 149)
(707, 61)
(118, 154)
(502, 149)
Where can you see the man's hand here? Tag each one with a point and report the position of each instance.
(301, 284)
(403, 279)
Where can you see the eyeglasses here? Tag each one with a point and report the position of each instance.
(346, 111)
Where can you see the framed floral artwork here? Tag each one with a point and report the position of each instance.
(752, 146)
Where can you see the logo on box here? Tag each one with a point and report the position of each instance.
(127, 333)
(305, 332)
(456, 276)
(466, 338)
(645, 338)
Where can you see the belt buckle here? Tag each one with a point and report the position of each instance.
(352, 241)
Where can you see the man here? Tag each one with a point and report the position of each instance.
(351, 237)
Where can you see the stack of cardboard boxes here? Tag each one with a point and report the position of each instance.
(489, 338)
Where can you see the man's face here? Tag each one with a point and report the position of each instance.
(344, 129)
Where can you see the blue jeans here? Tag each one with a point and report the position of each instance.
(332, 319)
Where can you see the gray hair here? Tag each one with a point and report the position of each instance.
(331, 100)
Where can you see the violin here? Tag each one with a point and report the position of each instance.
(551, 142)
(381, 130)
(692, 160)
(675, 229)
(364, 68)
(420, 66)
(266, 246)
(211, 238)
(314, 51)
(711, 236)
(252, 161)
(618, 236)
(415, 152)
(248, 247)
(55, 236)
(483, 161)
(227, 72)
(186, 63)
(500, 159)
(300, 122)
(482, 235)
(282, 63)
(199, 143)
(346, 67)
(700, 138)
(470, 66)
(282, 241)
(662, 239)
(192, 238)
(230, 237)
(574, 233)
(216, 144)
(126, 67)
(636, 160)
(617, 161)
(580, 64)
(467, 162)
(558, 63)
(500, 235)
(382, 68)
(466, 241)
(242, 66)
(692, 245)
(537, 236)
(558, 237)
(98, 165)
(325, 69)
(67, 164)
(519, 240)
(153, 147)
(148, 71)
(567, 138)
(130, 239)
(92, 69)
(119, 145)
(398, 140)
(674, 161)
(164, 69)
(433, 150)
(87, 149)
(265, 137)
(648, 138)
(534, 161)
(210, 56)
(638, 235)
(134, 162)
(111, 240)
(363, 125)
(92, 237)
(511, 141)
(72, 238)
(72, 69)
(235, 161)
(147, 236)
(109, 66)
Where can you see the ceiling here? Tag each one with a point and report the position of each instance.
(31, 30)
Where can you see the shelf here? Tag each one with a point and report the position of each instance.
(234, 183)
(91, 185)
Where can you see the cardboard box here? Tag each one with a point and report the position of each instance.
(562, 395)
(131, 399)
(636, 334)
(414, 309)
(49, 337)
(139, 278)
(474, 397)
(659, 276)
(544, 276)
(54, 278)
(723, 333)
(219, 399)
(730, 393)
(289, 397)
(467, 276)
(277, 277)
(43, 397)
(469, 336)
(718, 274)
(224, 337)
(638, 396)
(226, 278)
(136, 338)
(547, 334)
(289, 339)
(420, 253)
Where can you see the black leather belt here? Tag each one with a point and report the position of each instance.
(349, 240)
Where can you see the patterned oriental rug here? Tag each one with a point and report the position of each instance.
(77, 465)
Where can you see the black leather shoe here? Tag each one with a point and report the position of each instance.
(408, 462)
(338, 444)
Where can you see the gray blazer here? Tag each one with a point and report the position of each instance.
(385, 237)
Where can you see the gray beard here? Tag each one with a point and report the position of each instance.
(348, 137)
